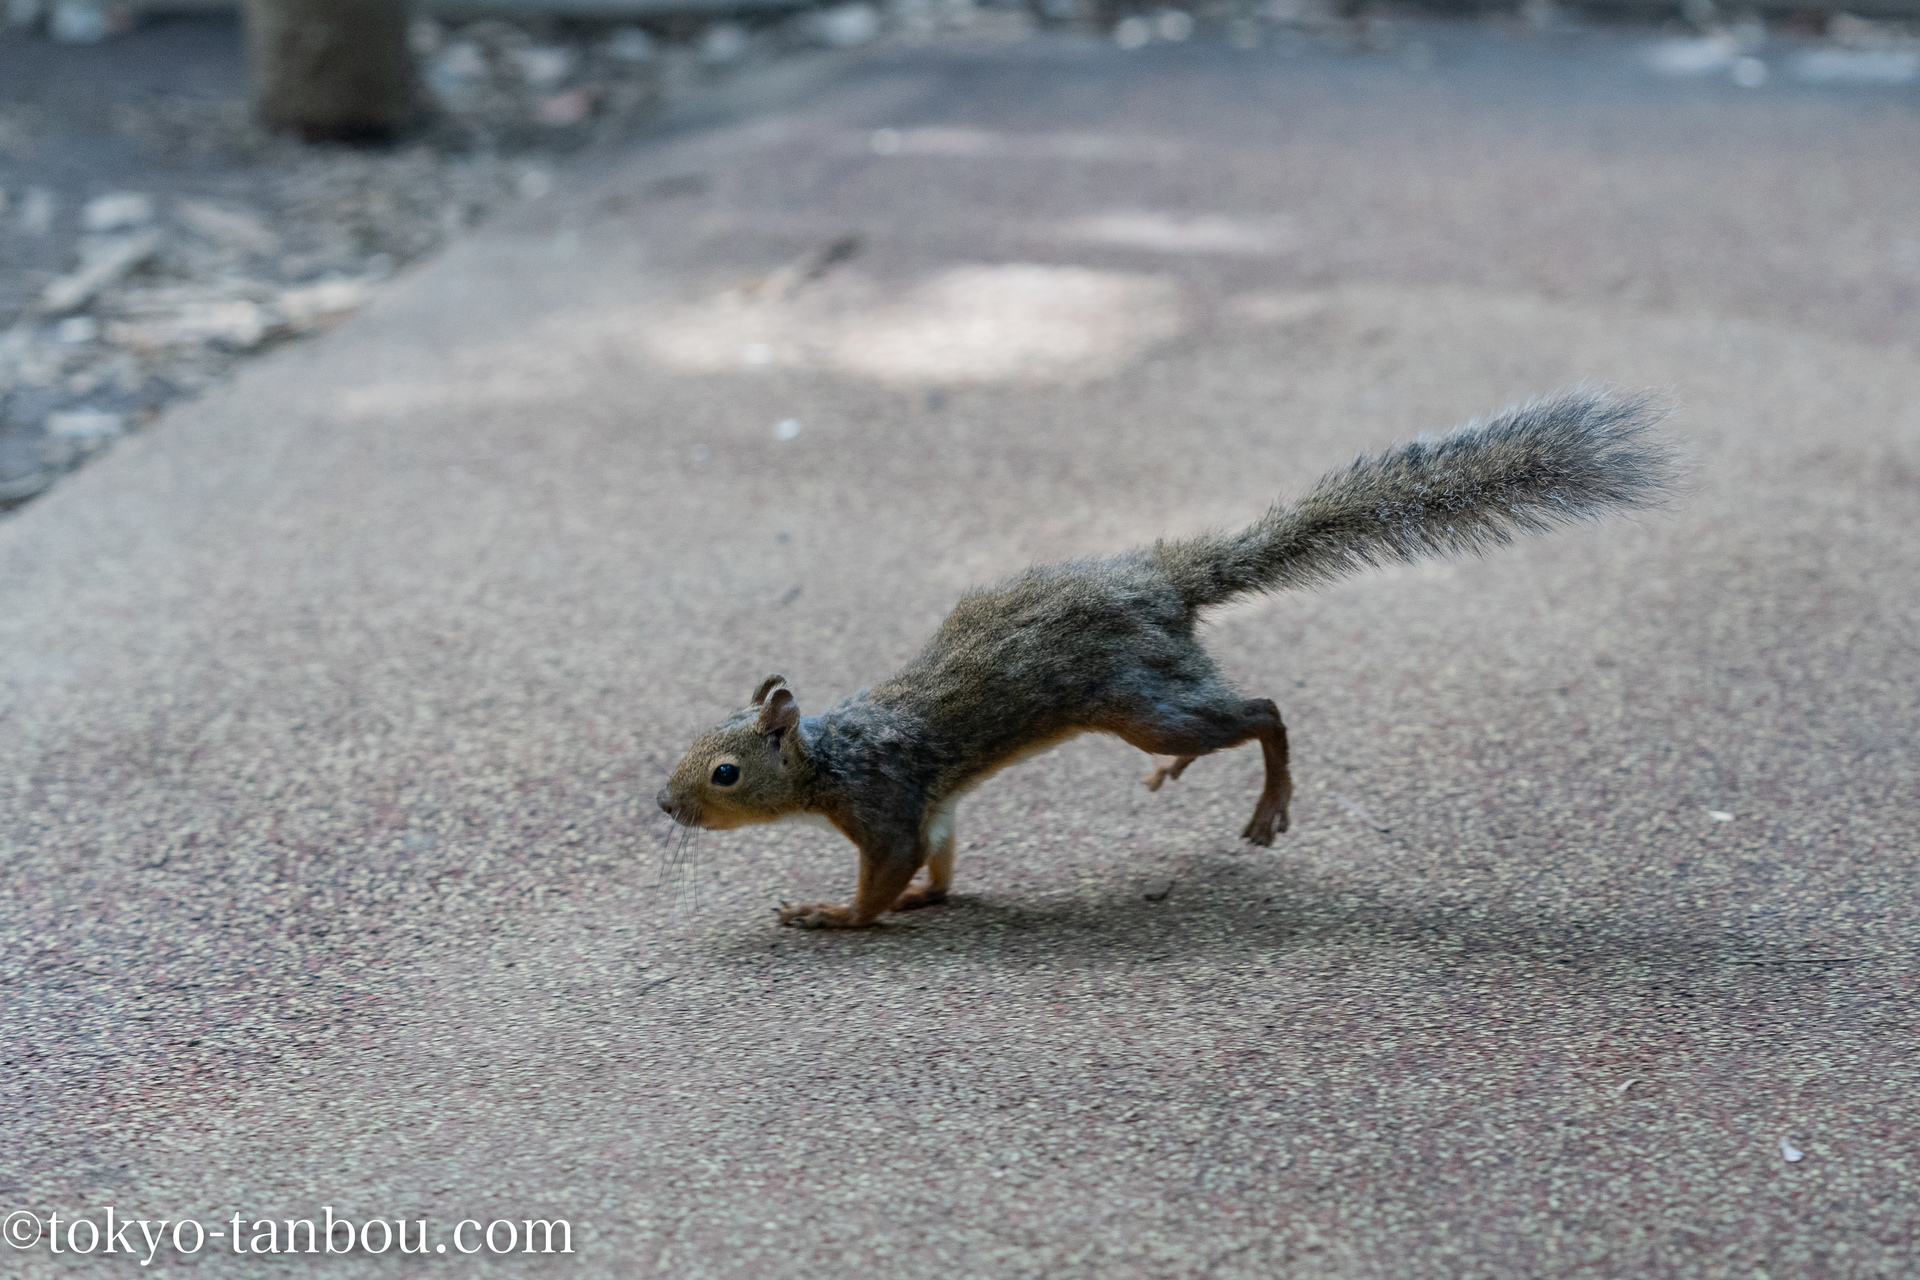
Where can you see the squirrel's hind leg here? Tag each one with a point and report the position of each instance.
(1276, 796)
(1214, 725)
(939, 878)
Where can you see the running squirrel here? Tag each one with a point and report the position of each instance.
(1108, 646)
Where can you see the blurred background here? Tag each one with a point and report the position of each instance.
(183, 185)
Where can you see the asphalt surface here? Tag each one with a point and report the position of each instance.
(332, 707)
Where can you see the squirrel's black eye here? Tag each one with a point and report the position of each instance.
(726, 775)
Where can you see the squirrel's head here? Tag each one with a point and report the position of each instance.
(750, 769)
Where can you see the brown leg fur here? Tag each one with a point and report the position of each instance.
(1214, 726)
(939, 880)
(884, 875)
(1270, 813)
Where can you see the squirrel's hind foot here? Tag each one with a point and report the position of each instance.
(924, 895)
(1266, 822)
(1166, 769)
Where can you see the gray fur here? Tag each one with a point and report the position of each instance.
(1545, 463)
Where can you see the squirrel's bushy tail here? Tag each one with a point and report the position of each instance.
(1550, 462)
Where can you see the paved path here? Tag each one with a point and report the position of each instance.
(331, 708)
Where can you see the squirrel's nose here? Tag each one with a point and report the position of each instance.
(665, 800)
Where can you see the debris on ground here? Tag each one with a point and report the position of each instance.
(102, 262)
(126, 286)
(1854, 51)
(1359, 814)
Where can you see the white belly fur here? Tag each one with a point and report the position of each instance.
(940, 822)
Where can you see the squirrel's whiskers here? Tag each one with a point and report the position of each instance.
(677, 867)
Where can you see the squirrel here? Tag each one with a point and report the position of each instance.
(1108, 646)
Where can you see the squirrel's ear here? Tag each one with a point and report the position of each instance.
(767, 686)
(779, 712)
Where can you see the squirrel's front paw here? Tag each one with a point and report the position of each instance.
(816, 915)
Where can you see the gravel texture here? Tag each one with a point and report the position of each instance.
(332, 706)
(154, 235)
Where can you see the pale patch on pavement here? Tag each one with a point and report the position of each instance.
(1273, 307)
(963, 143)
(1173, 233)
(1013, 322)
(1692, 55)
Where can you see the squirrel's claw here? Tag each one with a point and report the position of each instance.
(800, 916)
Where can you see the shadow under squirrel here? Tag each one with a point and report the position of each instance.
(1108, 646)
